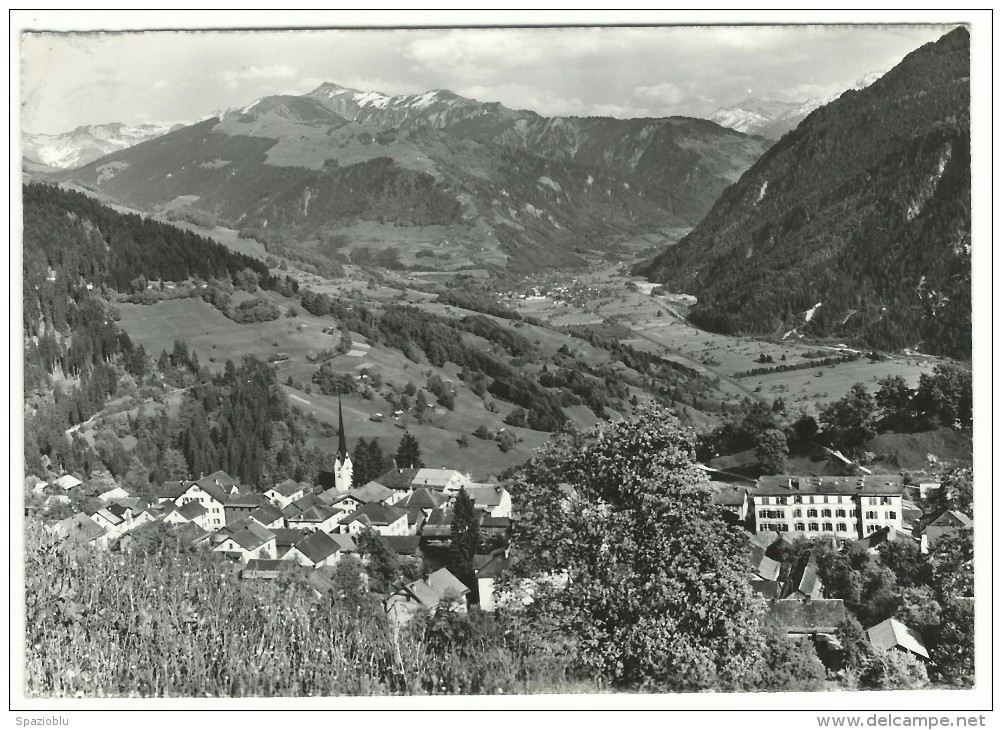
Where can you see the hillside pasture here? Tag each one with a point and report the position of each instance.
(214, 337)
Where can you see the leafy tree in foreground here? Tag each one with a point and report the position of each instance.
(656, 595)
(382, 563)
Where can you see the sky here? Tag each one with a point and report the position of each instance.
(73, 79)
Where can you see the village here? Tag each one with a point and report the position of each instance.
(308, 529)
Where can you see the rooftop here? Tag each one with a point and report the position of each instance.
(892, 633)
(192, 510)
(434, 477)
(371, 492)
(288, 487)
(807, 617)
(422, 498)
(871, 484)
(375, 513)
(486, 496)
(318, 546)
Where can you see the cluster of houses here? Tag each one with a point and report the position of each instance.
(299, 526)
(865, 510)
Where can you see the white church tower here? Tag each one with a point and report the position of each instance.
(342, 466)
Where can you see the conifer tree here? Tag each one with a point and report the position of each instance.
(466, 541)
(409, 452)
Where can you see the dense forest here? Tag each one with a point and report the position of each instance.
(864, 209)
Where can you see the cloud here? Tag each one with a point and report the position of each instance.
(256, 73)
(666, 93)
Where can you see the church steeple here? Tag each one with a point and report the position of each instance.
(342, 443)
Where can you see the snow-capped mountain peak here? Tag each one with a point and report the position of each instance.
(87, 143)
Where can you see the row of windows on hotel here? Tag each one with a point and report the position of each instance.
(824, 498)
(811, 527)
(778, 514)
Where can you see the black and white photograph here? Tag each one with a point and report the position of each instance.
(596, 364)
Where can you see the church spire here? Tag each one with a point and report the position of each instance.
(342, 444)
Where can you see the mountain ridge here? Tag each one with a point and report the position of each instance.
(864, 207)
(87, 143)
(522, 186)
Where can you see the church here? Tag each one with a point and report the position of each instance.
(340, 478)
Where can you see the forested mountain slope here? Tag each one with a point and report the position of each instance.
(864, 209)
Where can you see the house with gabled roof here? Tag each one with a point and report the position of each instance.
(428, 593)
(404, 545)
(212, 492)
(438, 526)
(242, 504)
(171, 490)
(114, 494)
(285, 493)
(253, 541)
(399, 480)
(762, 566)
(449, 481)
(269, 516)
(315, 550)
(317, 517)
(112, 516)
(803, 583)
(892, 634)
(285, 539)
(419, 504)
(68, 482)
(946, 523)
(730, 499)
(191, 534)
(492, 499)
(79, 528)
(375, 492)
(382, 518)
(294, 509)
